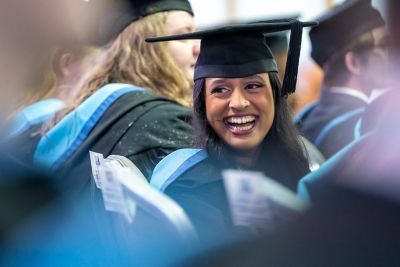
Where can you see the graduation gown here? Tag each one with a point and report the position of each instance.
(197, 185)
(330, 124)
(345, 227)
(127, 121)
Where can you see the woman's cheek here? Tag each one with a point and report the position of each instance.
(214, 111)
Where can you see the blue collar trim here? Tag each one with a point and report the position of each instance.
(34, 114)
(174, 165)
(335, 123)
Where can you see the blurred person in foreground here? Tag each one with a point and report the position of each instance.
(350, 44)
(41, 225)
(45, 67)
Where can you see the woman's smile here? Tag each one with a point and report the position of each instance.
(241, 125)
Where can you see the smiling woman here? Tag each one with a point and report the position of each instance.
(246, 120)
(240, 110)
(241, 120)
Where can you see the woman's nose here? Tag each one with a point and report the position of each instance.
(238, 100)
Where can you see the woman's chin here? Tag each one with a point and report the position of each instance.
(243, 145)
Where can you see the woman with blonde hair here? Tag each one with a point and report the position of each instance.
(134, 102)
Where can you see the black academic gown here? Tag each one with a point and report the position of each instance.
(330, 107)
(140, 126)
(345, 227)
(201, 193)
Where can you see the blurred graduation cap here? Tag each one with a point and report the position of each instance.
(108, 18)
(240, 50)
(340, 26)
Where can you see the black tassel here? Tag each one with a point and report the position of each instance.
(292, 63)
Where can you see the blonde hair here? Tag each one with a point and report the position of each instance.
(129, 59)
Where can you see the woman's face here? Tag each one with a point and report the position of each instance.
(240, 110)
(184, 52)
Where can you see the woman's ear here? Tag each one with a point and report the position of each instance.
(352, 63)
(63, 63)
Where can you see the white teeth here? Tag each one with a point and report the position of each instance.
(242, 128)
(241, 120)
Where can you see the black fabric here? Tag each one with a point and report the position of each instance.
(147, 7)
(124, 12)
(238, 70)
(345, 227)
(240, 50)
(220, 54)
(277, 42)
(339, 27)
(331, 106)
(201, 193)
(140, 126)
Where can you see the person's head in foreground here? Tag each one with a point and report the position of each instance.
(351, 46)
(240, 107)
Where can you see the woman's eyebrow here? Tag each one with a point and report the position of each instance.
(218, 81)
(258, 77)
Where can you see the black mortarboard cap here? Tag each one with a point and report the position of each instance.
(277, 41)
(113, 16)
(240, 50)
(340, 26)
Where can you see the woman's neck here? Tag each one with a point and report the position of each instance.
(248, 158)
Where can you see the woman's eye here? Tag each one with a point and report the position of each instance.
(253, 86)
(219, 90)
